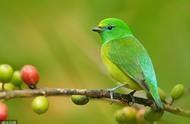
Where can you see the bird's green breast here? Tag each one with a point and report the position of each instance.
(115, 72)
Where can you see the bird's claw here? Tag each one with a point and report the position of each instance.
(111, 94)
(111, 90)
(132, 97)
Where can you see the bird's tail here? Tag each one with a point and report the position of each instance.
(156, 97)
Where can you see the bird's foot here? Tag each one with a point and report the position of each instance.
(132, 97)
(111, 90)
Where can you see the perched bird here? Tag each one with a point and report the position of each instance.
(126, 59)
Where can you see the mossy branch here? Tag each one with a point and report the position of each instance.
(93, 93)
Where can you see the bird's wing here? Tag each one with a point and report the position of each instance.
(131, 58)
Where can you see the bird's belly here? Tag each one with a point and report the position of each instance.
(118, 75)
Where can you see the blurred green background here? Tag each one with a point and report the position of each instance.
(56, 37)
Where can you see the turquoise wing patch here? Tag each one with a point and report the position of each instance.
(131, 57)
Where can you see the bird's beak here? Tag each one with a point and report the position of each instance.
(97, 29)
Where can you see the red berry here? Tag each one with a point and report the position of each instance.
(29, 75)
(3, 111)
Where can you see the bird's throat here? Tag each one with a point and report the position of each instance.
(106, 38)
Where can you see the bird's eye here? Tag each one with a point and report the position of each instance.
(110, 27)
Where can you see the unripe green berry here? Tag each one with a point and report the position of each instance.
(162, 94)
(126, 115)
(40, 104)
(6, 72)
(120, 117)
(152, 115)
(177, 91)
(79, 99)
(9, 86)
(16, 79)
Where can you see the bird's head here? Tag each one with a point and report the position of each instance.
(111, 29)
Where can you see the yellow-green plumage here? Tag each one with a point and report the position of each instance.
(126, 59)
(115, 72)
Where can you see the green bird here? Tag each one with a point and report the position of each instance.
(126, 59)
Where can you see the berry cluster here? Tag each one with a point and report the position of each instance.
(147, 115)
(134, 115)
(29, 76)
(139, 114)
(19, 79)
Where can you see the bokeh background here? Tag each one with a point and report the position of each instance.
(56, 37)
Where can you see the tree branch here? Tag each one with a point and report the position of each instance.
(93, 93)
